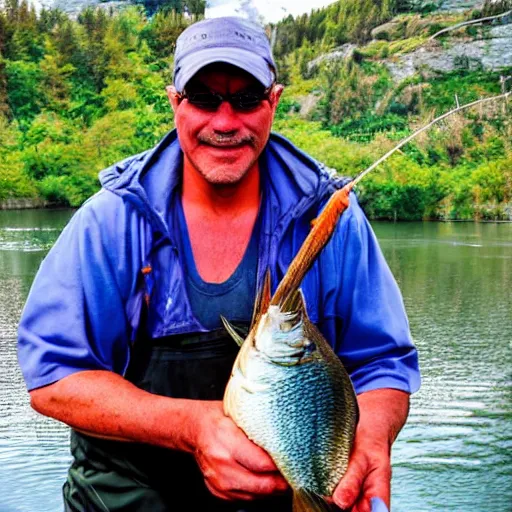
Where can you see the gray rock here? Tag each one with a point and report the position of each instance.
(340, 53)
(73, 7)
(460, 5)
(493, 53)
(308, 105)
(388, 31)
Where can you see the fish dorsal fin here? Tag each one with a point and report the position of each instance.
(262, 300)
(308, 501)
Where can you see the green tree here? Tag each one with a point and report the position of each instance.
(24, 92)
(55, 79)
(4, 104)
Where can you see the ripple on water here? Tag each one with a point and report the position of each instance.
(453, 454)
(27, 239)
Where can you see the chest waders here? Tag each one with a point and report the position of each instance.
(114, 476)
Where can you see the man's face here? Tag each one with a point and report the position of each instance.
(223, 144)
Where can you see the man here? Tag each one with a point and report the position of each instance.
(121, 337)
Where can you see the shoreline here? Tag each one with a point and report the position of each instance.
(29, 203)
(35, 204)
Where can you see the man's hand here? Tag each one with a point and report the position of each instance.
(234, 468)
(383, 413)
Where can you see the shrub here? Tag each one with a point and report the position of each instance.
(286, 106)
(13, 181)
(369, 125)
(49, 159)
(53, 190)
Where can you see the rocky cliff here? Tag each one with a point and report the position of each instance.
(73, 7)
(490, 50)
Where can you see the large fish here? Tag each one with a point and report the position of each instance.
(288, 390)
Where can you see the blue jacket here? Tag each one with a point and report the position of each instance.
(83, 310)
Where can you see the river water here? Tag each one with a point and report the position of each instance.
(455, 452)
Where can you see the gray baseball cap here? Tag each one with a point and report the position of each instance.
(229, 39)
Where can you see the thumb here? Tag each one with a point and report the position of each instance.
(350, 486)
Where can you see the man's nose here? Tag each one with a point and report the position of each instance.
(225, 119)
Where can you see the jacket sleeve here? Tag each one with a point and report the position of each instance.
(74, 318)
(366, 320)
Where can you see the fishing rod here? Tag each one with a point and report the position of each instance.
(325, 223)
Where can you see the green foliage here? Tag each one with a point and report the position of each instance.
(119, 95)
(195, 7)
(341, 22)
(48, 159)
(286, 106)
(350, 92)
(393, 201)
(24, 92)
(163, 30)
(385, 49)
(53, 189)
(77, 96)
(14, 183)
(364, 128)
(71, 190)
(466, 84)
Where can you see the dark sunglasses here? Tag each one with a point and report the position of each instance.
(242, 101)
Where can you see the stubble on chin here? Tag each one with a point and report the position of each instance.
(231, 171)
(223, 175)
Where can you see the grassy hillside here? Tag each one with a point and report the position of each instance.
(76, 96)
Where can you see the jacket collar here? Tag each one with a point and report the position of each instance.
(292, 181)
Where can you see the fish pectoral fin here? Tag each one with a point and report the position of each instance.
(305, 500)
(232, 331)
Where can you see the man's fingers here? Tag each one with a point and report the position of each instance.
(243, 484)
(378, 483)
(254, 458)
(230, 495)
(358, 490)
(363, 505)
(349, 488)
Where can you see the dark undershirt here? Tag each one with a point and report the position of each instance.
(233, 298)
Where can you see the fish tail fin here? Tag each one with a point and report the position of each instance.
(305, 500)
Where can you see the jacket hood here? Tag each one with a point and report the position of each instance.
(292, 180)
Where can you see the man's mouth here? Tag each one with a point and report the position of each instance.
(219, 141)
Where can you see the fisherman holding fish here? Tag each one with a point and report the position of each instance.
(121, 337)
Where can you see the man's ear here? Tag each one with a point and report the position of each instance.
(275, 94)
(174, 97)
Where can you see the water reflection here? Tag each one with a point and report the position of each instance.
(456, 280)
(452, 455)
(34, 450)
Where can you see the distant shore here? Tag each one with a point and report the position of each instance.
(35, 203)
(29, 203)
(23, 203)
